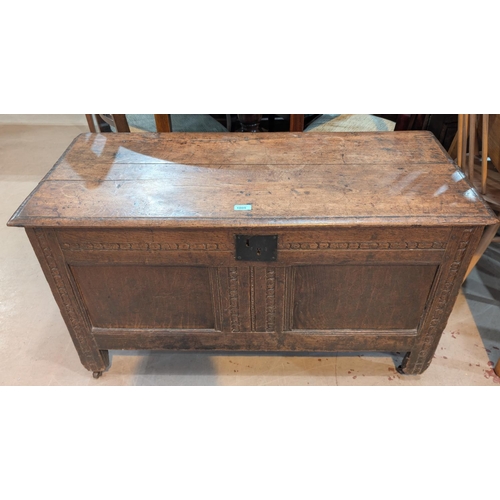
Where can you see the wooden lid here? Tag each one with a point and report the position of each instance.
(289, 179)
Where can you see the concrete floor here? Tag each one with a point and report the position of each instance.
(36, 349)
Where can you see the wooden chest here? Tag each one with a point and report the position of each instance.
(255, 242)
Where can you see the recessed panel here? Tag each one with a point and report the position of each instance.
(360, 297)
(146, 296)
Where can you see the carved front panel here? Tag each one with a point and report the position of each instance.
(322, 280)
(254, 298)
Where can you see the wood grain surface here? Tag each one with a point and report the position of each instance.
(174, 180)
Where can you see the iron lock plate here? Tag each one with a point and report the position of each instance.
(256, 248)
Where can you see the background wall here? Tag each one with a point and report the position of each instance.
(43, 119)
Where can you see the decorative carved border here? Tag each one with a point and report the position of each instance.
(253, 313)
(223, 247)
(234, 311)
(78, 330)
(366, 245)
(443, 302)
(215, 293)
(288, 305)
(270, 299)
(145, 246)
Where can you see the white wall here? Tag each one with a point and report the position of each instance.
(43, 120)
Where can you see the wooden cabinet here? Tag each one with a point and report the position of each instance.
(262, 242)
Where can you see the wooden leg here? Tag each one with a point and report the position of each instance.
(472, 146)
(105, 356)
(458, 254)
(486, 239)
(460, 138)
(465, 135)
(91, 124)
(163, 123)
(51, 259)
(452, 151)
(484, 155)
(121, 123)
(296, 123)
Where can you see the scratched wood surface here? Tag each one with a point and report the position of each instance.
(182, 180)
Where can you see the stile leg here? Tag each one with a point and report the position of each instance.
(49, 255)
(460, 248)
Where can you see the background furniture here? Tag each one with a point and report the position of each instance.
(154, 123)
(197, 123)
(473, 139)
(351, 123)
(444, 127)
(107, 123)
(482, 135)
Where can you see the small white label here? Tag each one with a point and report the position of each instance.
(243, 207)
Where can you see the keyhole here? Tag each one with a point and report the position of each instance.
(258, 251)
(248, 243)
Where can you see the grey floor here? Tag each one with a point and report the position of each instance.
(35, 347)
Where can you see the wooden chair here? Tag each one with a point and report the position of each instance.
(155, 123)
(106, 123)
(119, 123)
(486, 175)
(483, 175)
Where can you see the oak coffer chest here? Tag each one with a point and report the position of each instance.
(255, 242)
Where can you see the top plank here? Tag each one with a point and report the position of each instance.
(289, 179)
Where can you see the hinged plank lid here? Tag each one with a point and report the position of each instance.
(252, 180)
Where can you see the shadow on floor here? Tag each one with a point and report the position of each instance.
(482, 292)
(183, 368)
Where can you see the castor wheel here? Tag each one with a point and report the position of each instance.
(97, 374)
